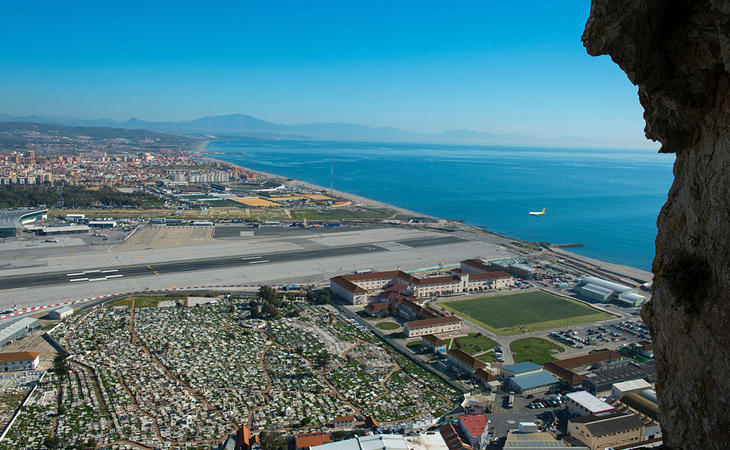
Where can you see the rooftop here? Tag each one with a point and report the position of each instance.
(466, 358)
(474, 424)
(522, 367)
(611, 424)
(534, 380)
(311, 439)
(432, 321)
(589, 402)
(18, 356)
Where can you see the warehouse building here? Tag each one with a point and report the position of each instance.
(613, 430)
(15, 361)
(533, 383)
(60, 313)
(600, 381)
(523, 368)
(626, 387)
(572, 371)
(582, 403)
(17, 329)
(67, 229)
(604, 291)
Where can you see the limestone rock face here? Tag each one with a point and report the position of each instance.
(678, 54)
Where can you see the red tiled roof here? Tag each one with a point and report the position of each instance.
(18, 356)
(431, 322)
(451, 438)
(484, 375)
(474, 424)
(466, 358)
(433, 340)
(591, 358)
(491, 275)
(347, 284)
(377, 307)
(437, 280)
(311, 439)
(350, 418)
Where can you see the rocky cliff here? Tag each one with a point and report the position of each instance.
(678, 54)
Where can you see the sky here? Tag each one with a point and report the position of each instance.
(424, 66)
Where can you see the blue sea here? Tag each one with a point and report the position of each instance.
(605, 199)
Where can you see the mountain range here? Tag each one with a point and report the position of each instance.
(242, 125)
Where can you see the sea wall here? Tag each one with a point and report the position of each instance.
(678, 54)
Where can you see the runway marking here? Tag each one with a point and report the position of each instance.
(153, 270)
(92, 271)
(114, 276)
(97, 279)
(78, 279)
(260, 261)
(109, 271)
(78, 274)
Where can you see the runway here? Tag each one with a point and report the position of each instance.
(94, 275)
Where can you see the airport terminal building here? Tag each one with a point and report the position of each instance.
(13, 221)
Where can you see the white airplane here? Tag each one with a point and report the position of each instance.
(537, 213)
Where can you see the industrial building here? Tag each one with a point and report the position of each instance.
(372, 442)
(608, 431)
(572, 371)
(13, 221)
(17, 329)
(14, 361)
(582, 403)
(600, 382)
(604, 291)
(623, 388)
(66, 229)
(533, 383)
(60, 313)
(521, 439)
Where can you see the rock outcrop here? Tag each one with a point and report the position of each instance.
(678, 54)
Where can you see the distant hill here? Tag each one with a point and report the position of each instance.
(249, 126)
(20, 134)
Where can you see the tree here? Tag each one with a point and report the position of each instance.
(272, 440)
(267, 294)
(270, 311)
(323, 297)
(311, 296)
(52, 442)
(253, 309)
(59, 364)
(321, 359)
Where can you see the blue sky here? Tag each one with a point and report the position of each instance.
(500, 67)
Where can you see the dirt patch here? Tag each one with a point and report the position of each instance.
(157, 236)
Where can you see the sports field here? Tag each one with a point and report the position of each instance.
(525, 311)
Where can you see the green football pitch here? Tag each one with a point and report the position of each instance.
(524, 311)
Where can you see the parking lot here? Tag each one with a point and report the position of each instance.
(609, 335)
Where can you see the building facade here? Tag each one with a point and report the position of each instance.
(435, 325)
(14, 361)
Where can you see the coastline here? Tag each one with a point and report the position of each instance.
(619, 269)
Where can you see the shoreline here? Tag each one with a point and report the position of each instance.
(619, 269)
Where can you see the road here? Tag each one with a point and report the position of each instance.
(94, 274)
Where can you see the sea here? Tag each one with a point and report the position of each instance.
(607, 200)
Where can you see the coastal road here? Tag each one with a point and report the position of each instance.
(96, 274)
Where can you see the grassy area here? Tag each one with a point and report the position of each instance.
(142, 301)
(340, 213)
(387, 325)
(474, 343)
(523, 312)
(534, 349)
